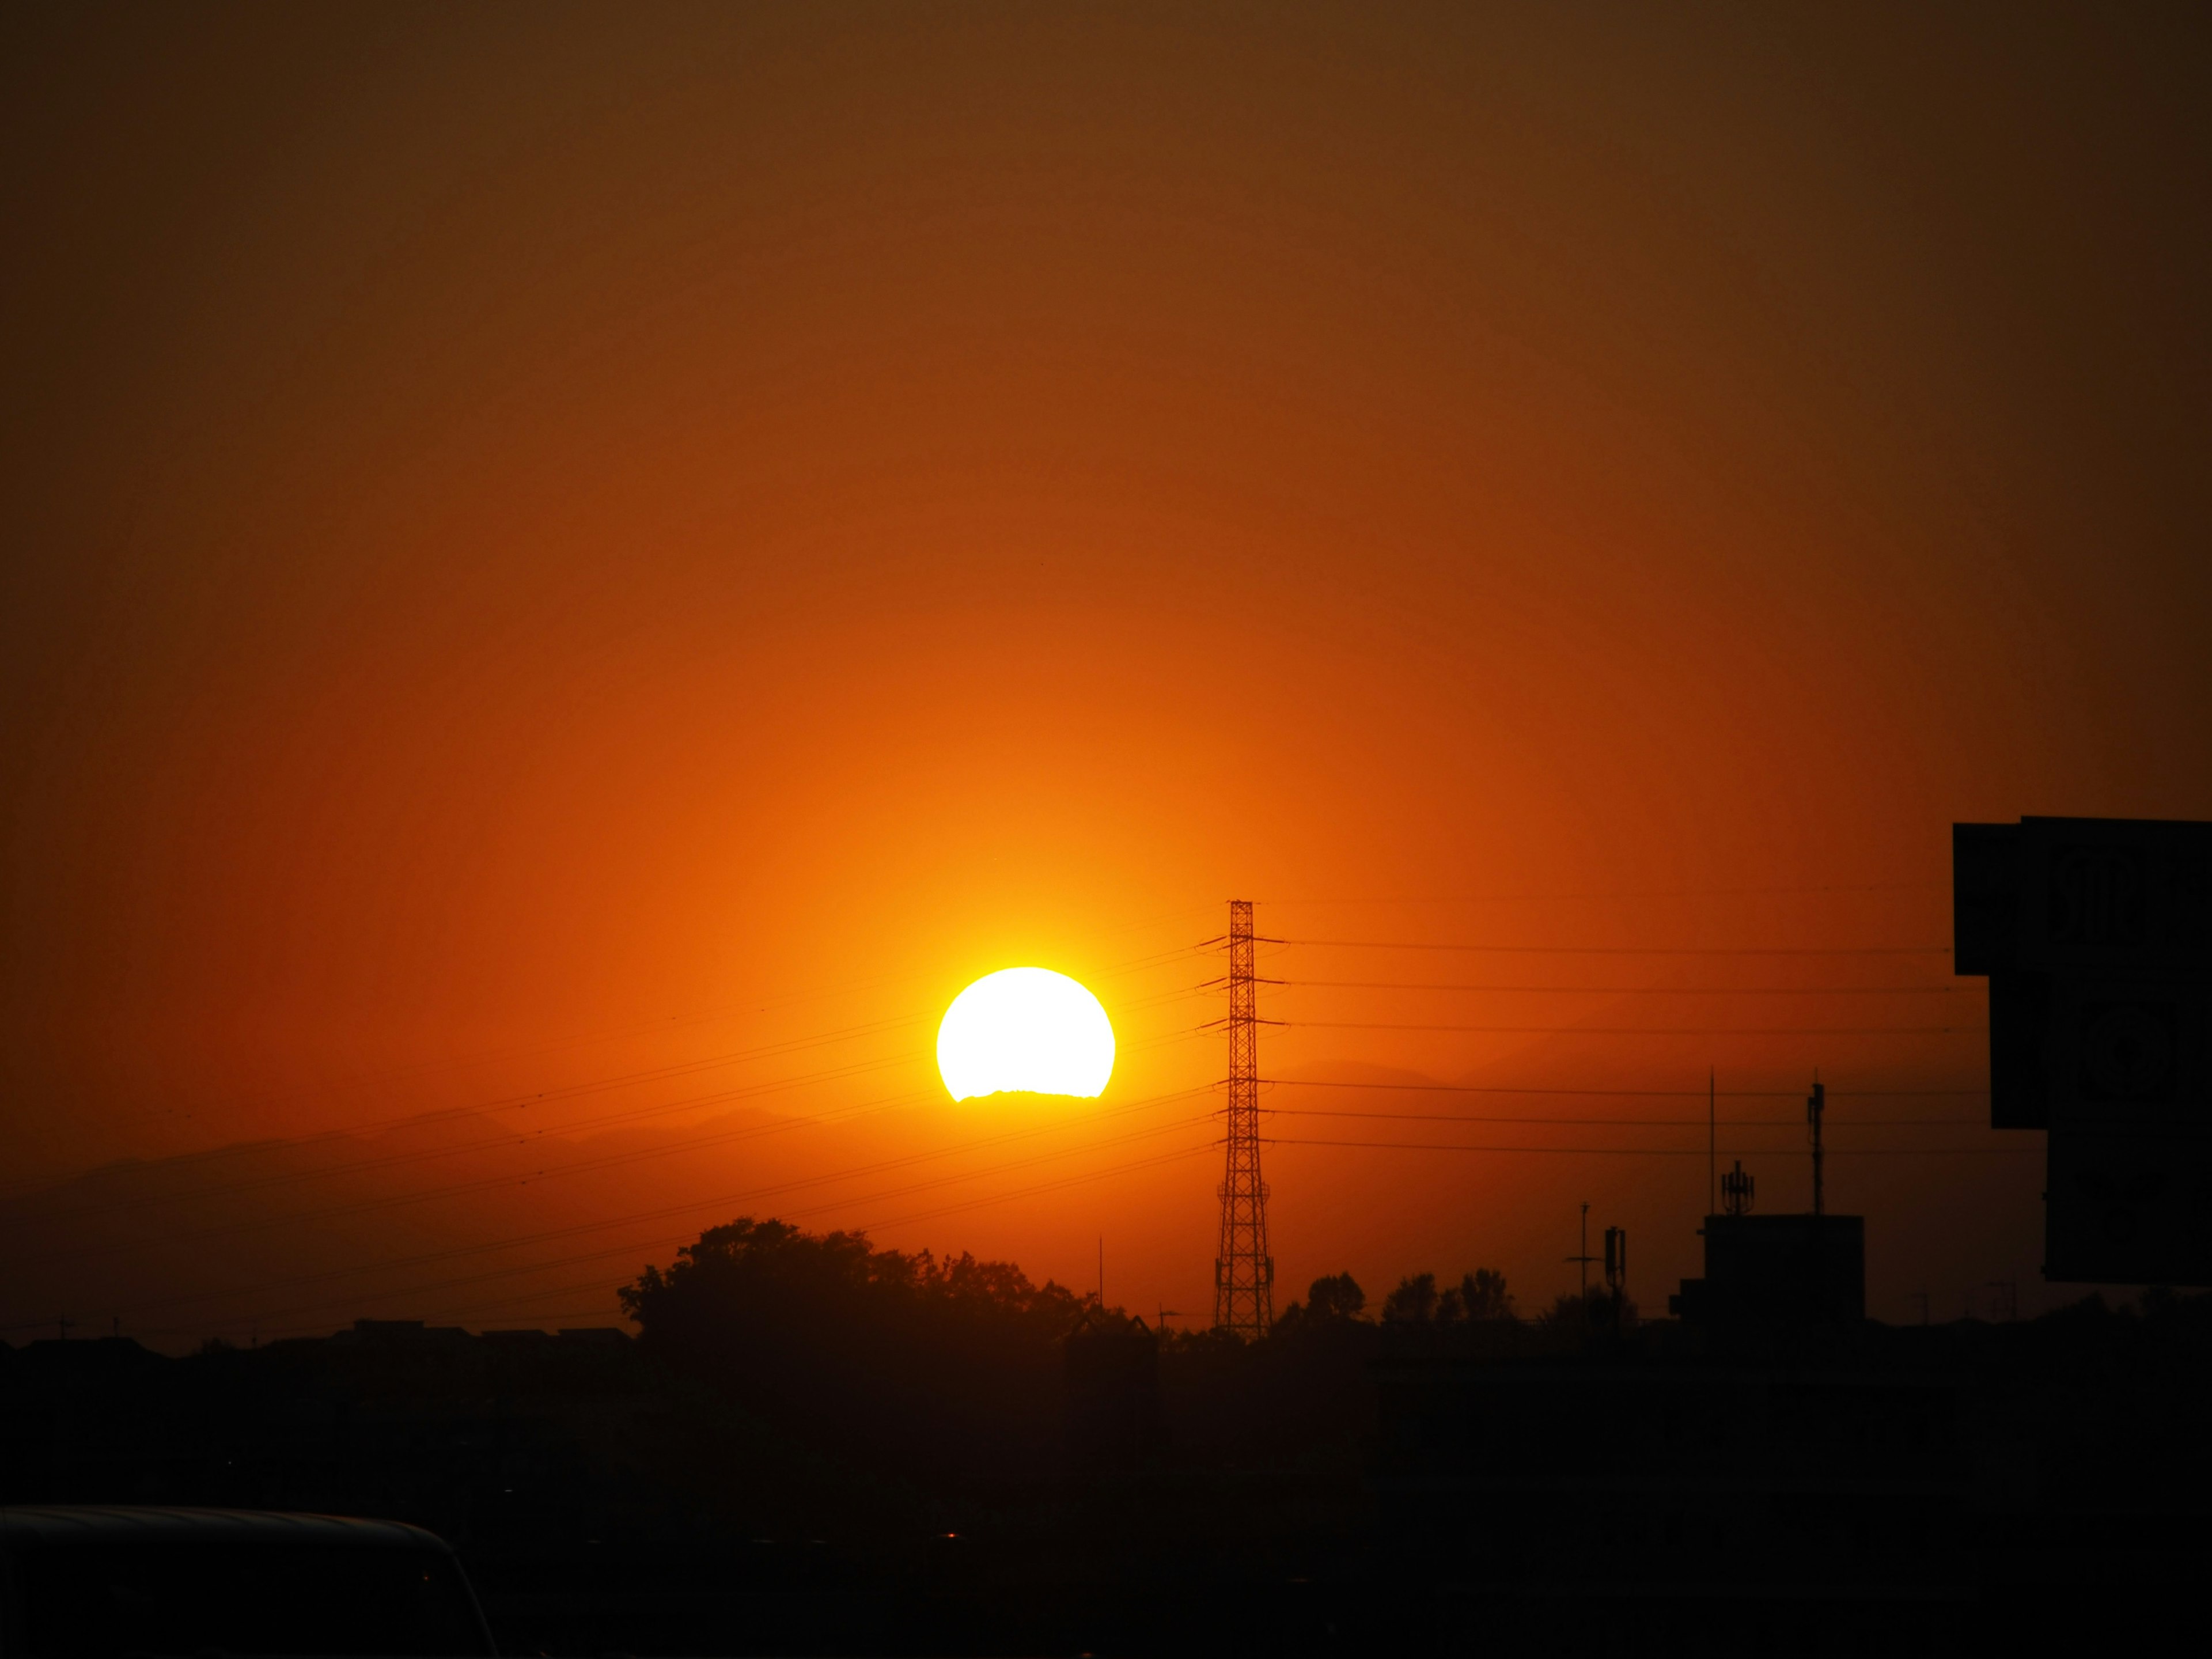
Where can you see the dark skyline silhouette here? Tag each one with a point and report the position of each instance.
(570, 579)
(613, 565)
(817, 1446)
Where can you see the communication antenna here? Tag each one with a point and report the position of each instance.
(1244, 1271)
(1735, 1190)
(1818, 1272)
(1713, 1142)
(1584, 1260)
(1816, 1103)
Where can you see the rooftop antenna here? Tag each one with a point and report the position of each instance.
(1735, 1190)
(1585, 1258)
(1816, 1103)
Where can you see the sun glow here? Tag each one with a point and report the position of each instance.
(1026, 1029)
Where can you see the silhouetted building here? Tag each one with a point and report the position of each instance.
(2096, 935)
(1114, 1416)
(1778, 1269)
(1650, 1501)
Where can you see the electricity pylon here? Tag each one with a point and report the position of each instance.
(1243, 1273)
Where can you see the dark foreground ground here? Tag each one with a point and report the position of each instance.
(1347, 1488)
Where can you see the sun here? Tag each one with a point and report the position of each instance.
(1026, 1029)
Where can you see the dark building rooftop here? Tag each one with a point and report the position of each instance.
(1778, 1269)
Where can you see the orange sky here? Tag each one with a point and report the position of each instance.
(546, 548)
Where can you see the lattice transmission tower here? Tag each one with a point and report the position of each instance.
(1243, 1273)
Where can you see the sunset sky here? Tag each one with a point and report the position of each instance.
(572, 574)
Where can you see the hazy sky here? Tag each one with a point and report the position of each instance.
(524, 527)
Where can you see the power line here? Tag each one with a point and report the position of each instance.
(502, 1139)
(1129, 1167)
(1658, 1151)
(1642, 990)
(677, 1239)
(1630, 1122)
(482, 1183)
(488, 1183)
(1636, 949)
(423, 1155)
(880, 1166)
(1641, 1094)
(1153, 1161)
(1625, 893)
(1649, 1031)
(386, 1295)
(528, 1099)
(523, 1100)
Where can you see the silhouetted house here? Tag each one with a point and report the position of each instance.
(588, 1362)
(85, 1416)
(1647, 1499)
(405, 1350)
(1777, 1270)
(1113, 1417)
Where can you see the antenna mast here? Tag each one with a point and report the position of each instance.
(1816, 1103)
(1713, 1142)
(1736, 1190)
(1243, 1273)
(1585, 1258)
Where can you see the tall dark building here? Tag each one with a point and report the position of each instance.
(1778, 1269)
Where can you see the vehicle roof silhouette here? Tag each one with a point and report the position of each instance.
(78, 1522)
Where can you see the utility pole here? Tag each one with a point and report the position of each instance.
(1244, 1271)
(1585, 1258)
(1616, 1269)
(1816, 1103)
(1712, 1145)
(1921, 1296)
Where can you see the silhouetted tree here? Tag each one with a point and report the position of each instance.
(903, 1361)
(1568, 1312)
(1480, 1295)
(1483, 1295)
(1336, 1296)
(1594, 1312)
(1413, 1303)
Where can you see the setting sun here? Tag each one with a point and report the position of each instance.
(1026, 1029)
